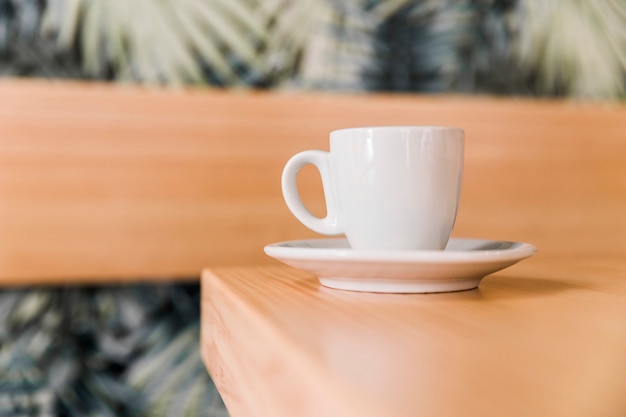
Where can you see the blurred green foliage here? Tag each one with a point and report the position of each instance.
(567, 48)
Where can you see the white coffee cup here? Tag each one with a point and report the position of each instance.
(386, 188)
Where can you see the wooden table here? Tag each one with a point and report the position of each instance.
(546, 337)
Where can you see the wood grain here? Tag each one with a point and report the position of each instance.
(103, 182)
(544, 338)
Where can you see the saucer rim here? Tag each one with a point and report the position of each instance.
(521, 251)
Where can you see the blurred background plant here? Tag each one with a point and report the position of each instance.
(571, 48)
(108, 351)
(133, 350)
(574, 47)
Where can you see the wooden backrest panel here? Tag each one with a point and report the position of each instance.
(104, 182)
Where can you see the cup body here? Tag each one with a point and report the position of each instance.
(392, 188)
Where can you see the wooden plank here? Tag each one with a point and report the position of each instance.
(105, 182)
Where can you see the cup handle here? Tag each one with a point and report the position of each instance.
(328, 225)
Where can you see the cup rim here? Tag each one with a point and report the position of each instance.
(395, 127)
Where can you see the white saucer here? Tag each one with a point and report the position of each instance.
(460, 266)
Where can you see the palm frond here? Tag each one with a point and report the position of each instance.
(577, 48)
(109, 351)
(290, 29)
(343, 45)
(185, 41)
(403, 45)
